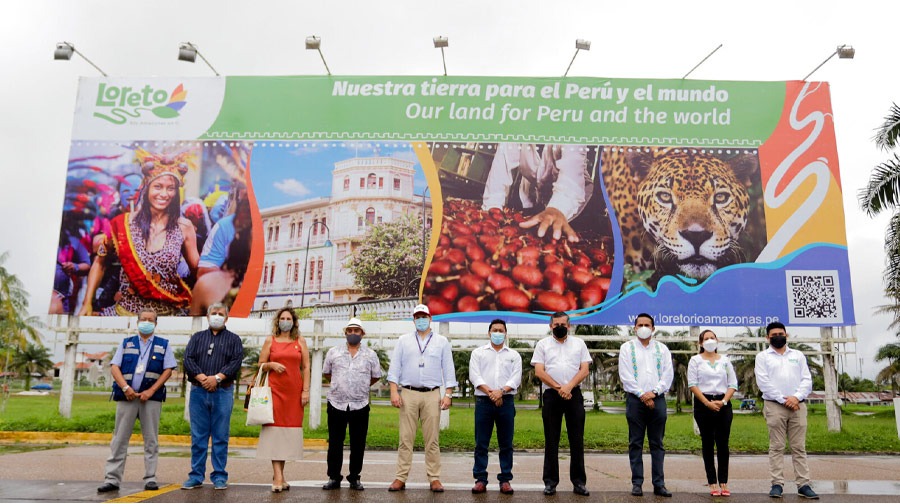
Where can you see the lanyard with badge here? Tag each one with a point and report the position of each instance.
(422, 350)
(140, 367)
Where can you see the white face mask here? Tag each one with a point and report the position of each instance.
(217, 321)
(710, 345)
(644, 332)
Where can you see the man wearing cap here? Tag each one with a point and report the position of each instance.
(421, 363)
(352, 369)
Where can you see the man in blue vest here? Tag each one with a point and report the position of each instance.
(140, 368)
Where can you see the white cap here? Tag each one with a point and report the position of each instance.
(421, 309)
(355, 322)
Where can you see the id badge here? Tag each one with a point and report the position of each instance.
(422, 361)
(140, 368)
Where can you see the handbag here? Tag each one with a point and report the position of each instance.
(259, 407)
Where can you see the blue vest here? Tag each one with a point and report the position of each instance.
(130, 357)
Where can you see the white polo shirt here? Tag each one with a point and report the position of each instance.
(561, 360)
(495, 368)
(781, 375)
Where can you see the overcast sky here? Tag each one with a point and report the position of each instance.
(763, 40)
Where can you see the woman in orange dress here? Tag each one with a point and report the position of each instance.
(285, 357)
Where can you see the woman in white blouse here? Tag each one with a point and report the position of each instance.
(712, 380)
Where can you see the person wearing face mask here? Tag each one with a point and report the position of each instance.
(421, 363)
(352, 369)
(212, 361)
(783, 378)
(646, 373)
(712, 380)
(139, 369)
(285, 357)
(561, 362)
(495, 370)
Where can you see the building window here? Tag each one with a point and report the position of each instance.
(277, 232)
(265, 274)
(370, 216)
(346, 183)
(378, 220)
(272, 274)
(293, 229)
(312, 270)
(265, 305)
(296, 271)
(362, 183)
(287, 277)
(381, 182)
(359, 222)
(396, 184)
(371, 181)
(321, 264)
(341, 251)
(315, 227)
(269, 239)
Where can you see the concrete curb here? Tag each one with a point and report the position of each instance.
(23, 437)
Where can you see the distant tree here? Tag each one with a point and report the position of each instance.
(529, 381)
(461, 365)
(679, 365)
(389, 262)
(179, 359)
(17, 328)
(745, 365)
(32, 359)
(890, 374)
(604, 365)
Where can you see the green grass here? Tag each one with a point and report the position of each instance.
(875, 433)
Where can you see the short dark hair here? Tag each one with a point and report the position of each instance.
(497, 321)
(149, 310)
(559, 314)
(775, 325)
(647, 315)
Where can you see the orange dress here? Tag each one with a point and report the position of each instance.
(283, 439)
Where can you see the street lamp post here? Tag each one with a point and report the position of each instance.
(306, 260)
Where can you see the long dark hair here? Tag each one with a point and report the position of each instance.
(173, 211)
(700, 339)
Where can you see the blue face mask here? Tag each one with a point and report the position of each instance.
(423, 323)
(146, 327)
(498, 338)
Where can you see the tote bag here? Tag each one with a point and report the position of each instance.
(259, 409)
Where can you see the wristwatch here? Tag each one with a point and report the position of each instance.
(218, 380)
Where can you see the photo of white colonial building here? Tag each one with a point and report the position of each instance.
(308, 243)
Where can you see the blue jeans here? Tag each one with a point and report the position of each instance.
(486, 415)
(210, 414)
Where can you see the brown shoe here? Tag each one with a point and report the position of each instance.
(396, 486)
(480, 487)
(506, 488)
(436, 486)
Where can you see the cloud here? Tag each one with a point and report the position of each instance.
(292, 187)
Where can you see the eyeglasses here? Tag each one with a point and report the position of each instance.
(211, 346)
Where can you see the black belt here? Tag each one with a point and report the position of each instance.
(714, 397)
(420, 389)
(778, 403)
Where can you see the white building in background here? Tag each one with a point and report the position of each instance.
(300, 267)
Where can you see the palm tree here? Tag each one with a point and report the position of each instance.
(528, 378)
(17, 328)
(680, 362)
(604, 365)
(891, 372)
(461, 365)
(32, 359)
(883, 193)
(745, 364)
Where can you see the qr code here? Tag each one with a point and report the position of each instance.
(814, 297)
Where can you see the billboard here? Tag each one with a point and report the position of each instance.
(699, 202)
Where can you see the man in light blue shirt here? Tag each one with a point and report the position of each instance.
(140, 368)
(421, 363)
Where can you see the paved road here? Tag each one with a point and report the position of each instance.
(72, 473)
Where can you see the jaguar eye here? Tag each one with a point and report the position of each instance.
(664, 197)
(722, 198)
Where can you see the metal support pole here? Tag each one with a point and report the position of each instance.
(196, 324)
(315, 374)
(67, 391)
(444, 330)
(832, 401)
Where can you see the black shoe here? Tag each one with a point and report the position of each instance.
(356, 485)
(807, 493)
(661, 491)
(550, 490)
(776, 492)
(331, 485)
(637, 491)
(151, 486)
(581, 490)
(107, 487)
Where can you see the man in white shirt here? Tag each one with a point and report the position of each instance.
(421, 363)
(554, 181)
(561, 363)
(645, 370)
(495, 371)
(783, 378)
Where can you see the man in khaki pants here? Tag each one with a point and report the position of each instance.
(783, 377)
(421, 363)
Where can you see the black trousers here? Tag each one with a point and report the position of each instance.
(715, 429)
(652, 423)
(555, 408)
(338, 421)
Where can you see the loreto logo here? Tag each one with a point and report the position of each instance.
(119, 103)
